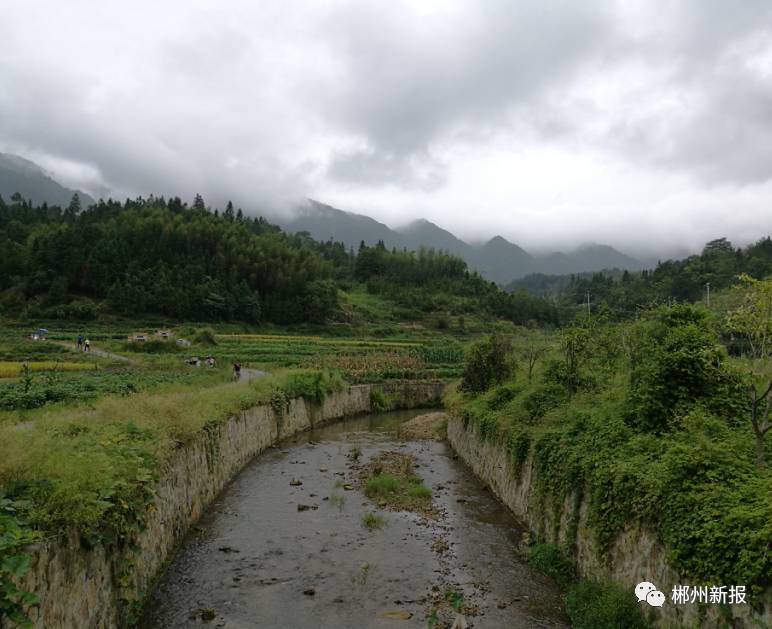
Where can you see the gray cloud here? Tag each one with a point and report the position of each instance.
(546, 119)
(406, 83)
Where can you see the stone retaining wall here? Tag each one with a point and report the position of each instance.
(83, 588)
(636, 555)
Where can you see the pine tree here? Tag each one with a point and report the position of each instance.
(198, 203)
(73, 209)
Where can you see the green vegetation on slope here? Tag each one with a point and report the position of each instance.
(152, 256)
(623, 294)
(93, 466)
(650, 422)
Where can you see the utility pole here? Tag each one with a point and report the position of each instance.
(707, 286)
(588, 303)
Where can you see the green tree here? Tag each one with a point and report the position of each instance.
(74, 208)
(198, 203)
(753, 321)
(680, 363)
(488, 362)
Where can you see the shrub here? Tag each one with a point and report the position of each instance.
(310, 384)
(543, 399)
(205, 336)
(380, 402)
(560, 373)
(501, 396)
(594, 605)
(681, 364)
(489, 362)
(549, 558)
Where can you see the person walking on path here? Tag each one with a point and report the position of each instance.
(86, 345)
(236, 371)
(80, 342)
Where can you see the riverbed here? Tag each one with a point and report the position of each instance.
(284, 546)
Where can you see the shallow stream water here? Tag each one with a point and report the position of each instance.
(256, 560)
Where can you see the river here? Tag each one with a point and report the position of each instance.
(257, 560)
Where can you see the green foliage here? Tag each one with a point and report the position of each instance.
(87, 386)
(360, 360)
(372, 521)
(205, 337)
(429, 281)
(693, 482)
(578, 346)
(542, 399)
(488, 362)
(623, 294)
(380, 402)
(381, 485)
(753, 321)
(279, 402)
(596, 605)
(154, 256)
(311, 385)
(94, 467)
(186, 262)
(15, 535)
(518, 447)
(501, 396)
(681, 364)
(320, 301)
(550, 559)
(399, 492)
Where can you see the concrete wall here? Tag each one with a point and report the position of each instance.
(635, 556)
(93, 588)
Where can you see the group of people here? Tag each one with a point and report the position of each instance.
(196, 361)
(84, 345)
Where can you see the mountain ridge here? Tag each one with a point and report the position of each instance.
(20, 175)
(497, 259)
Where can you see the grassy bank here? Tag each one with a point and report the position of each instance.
(94, 466)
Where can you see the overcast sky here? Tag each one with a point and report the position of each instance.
(643, 124)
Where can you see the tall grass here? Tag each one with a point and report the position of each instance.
(94, 466)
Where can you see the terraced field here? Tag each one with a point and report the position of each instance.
(360, 360)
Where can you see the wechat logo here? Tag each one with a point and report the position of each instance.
(648, 592)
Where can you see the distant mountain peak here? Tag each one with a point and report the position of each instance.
(499, 240)
(18, 174)
(498, 259)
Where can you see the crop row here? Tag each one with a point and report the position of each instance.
(15, 369)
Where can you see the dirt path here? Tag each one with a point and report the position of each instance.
(247, 375)
(95, 351)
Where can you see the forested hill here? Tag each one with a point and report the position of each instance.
(623, 293)
(153, 256)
